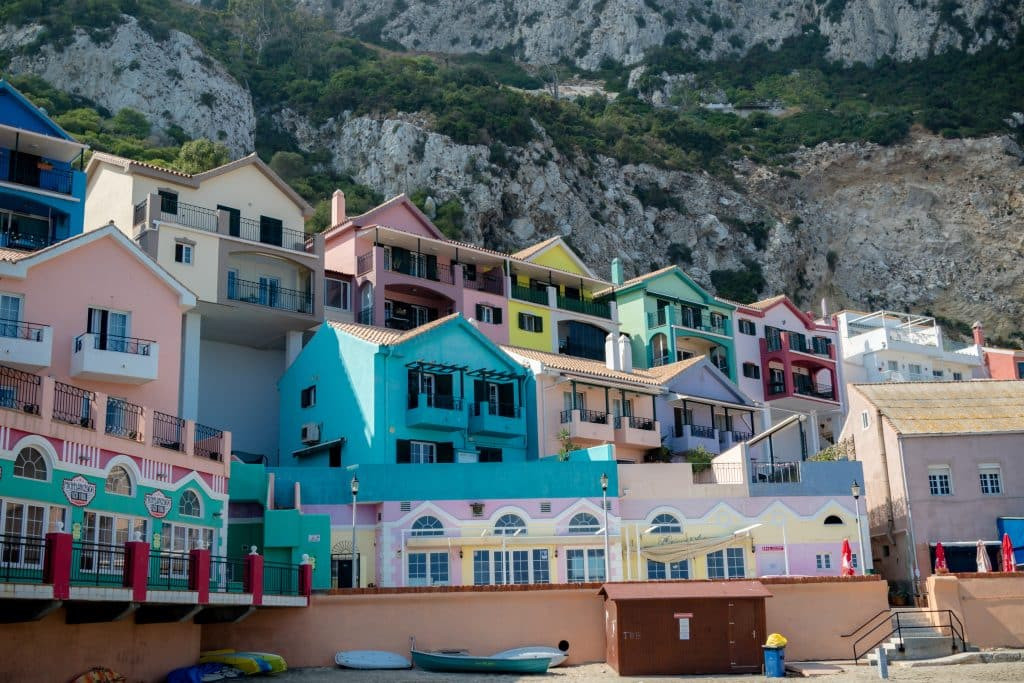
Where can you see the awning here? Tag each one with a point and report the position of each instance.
(675, 399)
(666, 590)
(677, 551)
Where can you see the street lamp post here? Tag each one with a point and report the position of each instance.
(604, 508)
(855, 492)
(355, 555)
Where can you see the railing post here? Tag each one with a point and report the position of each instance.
(57, 564)
(254, 576)
(46, 397)
(99, 413)
(552, 296)
(136, 568)
(306, 577)
(190, 437)
(199, 573)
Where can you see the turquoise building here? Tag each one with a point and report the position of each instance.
(669, 318)
(42, 194)
(440, 393)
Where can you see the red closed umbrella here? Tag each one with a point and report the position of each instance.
(1008, 564)
(847, 563)
(940, 559)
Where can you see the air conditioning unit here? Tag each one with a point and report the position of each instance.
(311, 432)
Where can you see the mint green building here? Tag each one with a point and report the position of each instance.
(669, 317)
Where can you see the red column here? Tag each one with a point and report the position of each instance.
(57, 564)
(306, 579)
(199, 573)
(787, 365)
(136, 568)
(254, 577)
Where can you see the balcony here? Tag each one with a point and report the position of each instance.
(25, 345)
(108, 358)
(529, 294)
(822, 391)
(35, 172)
(594, 308)
(774, 472)
(501, 420)
(641, 432)
(26, 231)
(270, 296)
(687, 437)
(492, 282)
(587, 425)
(689, 318)
(436, 411)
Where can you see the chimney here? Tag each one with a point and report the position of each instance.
(824, 309)
(979, 333)
(625, 354)
(611, 352)
(338, 208)
(617, 278)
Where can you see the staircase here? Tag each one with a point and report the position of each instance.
(909, 633)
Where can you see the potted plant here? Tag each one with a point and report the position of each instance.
(700, 458)
(566, 445)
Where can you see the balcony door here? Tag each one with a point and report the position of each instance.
(271, 230)
(112, 329)
(234, 219)
(10, 315)
(26, 520)
(270, 291)
(25, 169)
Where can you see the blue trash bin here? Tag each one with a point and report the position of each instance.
(774, 662)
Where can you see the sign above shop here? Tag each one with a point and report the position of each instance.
(158, 503)
(79, 491)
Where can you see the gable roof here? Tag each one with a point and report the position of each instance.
(533, 252)
(642, 280)
(702, 364)
(585, 366)
(16, 264)
(529, 251)
(981, 406)
(366, 219)
(194, 180)
(48, 123)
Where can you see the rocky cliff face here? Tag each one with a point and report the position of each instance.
(588, 31)
(171, 82)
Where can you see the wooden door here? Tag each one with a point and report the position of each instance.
(745, 636)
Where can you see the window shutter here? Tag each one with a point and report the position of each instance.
(522, 321)
(506, 399)
(479, 312)
(445, 452)
(403, 454)
(496, 316)
(431, 267)
(414, 387)
(540, 324)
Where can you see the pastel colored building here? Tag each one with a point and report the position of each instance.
(42, 194)
(90, 442)
(940, 465)
(788, 361)
(1000, 363)
(886, 346)
(669, 318)
(235, 236)
(398, 270)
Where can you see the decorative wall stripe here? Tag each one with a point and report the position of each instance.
(5, 438)
(153, 470)
(219, 484)
(80, 454)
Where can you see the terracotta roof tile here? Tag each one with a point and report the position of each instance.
(974, 406)
(636, 280)
(13, 255)
(766, 303)
(384, 336)
(529, 251)
(597, 368)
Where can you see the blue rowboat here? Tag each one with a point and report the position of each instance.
(462, 663)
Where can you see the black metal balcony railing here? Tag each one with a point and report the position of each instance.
(41, 174)
(702, 431)
(110, 342)
(774, 473)
(73, 405)
(255, 231)
(738, 436)
(20, 390)
(97, 564)
(19, 329)
(227, 574)
(280, 578)
(494, 284)
(209, 443)
(139, 213)
(499, 409)
(124, 419)
(592, 416)
(417, 265)
(364, 263)
(189, 215)
(168, 571)
(168, 431)
(536, 296)
(442, 401)
(816, 390)
(264, 294)
(594, 308)
(776, 388)
(691, 318)
(399, 323)
(21, 559)
(635, 422)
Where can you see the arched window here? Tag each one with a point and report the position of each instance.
(118, 481)
(665, 524)
(189, 505)
(508, 525)
(659, 349)
(833, 519)
(427, 526)
(584, 523)
(30, 464)
(366, 304)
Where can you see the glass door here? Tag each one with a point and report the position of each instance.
(10, 315)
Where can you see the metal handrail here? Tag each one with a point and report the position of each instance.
(208, 442)
(112, 342)
(22, 390)
(19, 329)
(955, 633)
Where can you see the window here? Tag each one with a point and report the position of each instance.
(427, 525)
(500, 567)
(509, 525)
(581, 401)
(531, 323)
(10, 316)
(751, 370)
(118, 482)
(865, 421)
(893, 366)
(422, 452)
(189, 505)
(823, 561)
(183, 253)
(747, 327)
(833, 519)
(584, 564)
(168, 201)
(914, 369)
(885, 551)
(665, 524)
(488, 454)
(488, 314)
(853, 560)
(428, 569)
(481, 567)
(726, 564)
(821, 345)
(958, 376)
(30, 464)
(991, 480)
(659, 571)
(112, 329)
(1020, 370)
(308, 397)
(584, 523)
(181, 538)
(336, 293)
(937, 374)
(938, 481)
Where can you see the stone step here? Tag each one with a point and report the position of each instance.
(918, 647)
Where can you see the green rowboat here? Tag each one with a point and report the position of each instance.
(432, 661)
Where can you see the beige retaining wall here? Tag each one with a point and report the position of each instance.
(991, 605)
